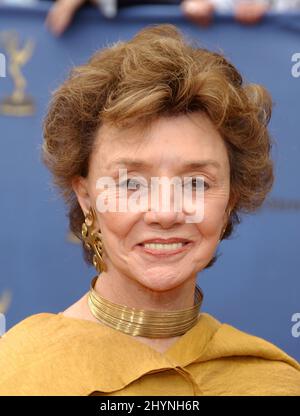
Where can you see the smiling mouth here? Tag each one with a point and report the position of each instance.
(164, 249)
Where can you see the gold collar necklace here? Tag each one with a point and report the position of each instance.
(145, 323)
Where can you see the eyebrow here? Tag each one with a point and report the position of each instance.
(189, 165)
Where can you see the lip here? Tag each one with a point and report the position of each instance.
(163, 252)
(166, 240)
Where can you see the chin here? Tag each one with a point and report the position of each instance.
(159, 281)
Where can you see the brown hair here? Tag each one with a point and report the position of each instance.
(158, 73)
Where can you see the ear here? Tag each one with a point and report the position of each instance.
(80, 187)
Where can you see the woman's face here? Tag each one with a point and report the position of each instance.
(165, 150)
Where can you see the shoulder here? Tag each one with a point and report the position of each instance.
(26, 331)
(24, 342)
(38, 350)
(51, 354)
(35, 331)
(250, 363)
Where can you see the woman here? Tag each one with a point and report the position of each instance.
(152, 107)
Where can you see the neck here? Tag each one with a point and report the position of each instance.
(124, 290)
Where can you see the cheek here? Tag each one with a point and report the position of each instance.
(117, 225)
(214, 210)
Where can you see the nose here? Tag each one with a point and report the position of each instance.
(163, 213)
(164, 219)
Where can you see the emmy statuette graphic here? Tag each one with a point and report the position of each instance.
(18, 103)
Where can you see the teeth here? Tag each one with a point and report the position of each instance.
(155, 246)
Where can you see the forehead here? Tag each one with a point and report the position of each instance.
(181, 141)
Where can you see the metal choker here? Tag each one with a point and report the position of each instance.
(145, 323)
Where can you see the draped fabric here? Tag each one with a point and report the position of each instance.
(51, 354)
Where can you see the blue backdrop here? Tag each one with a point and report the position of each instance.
(255, 284)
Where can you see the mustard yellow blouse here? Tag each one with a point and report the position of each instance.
(51, 354)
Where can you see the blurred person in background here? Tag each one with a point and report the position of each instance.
(245, 11)
(62, 12)
(201, 12)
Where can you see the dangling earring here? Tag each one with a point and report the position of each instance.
(93, 240)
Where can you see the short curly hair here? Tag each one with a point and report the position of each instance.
(159, 73)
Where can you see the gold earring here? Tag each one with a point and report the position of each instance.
(93, 240)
